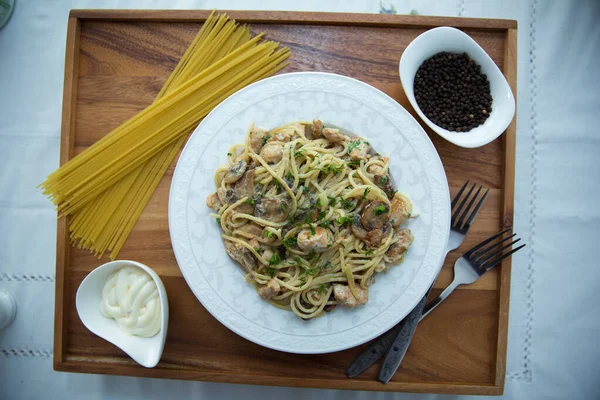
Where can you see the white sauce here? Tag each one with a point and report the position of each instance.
(130, 296)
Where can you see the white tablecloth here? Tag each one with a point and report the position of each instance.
(554, 320)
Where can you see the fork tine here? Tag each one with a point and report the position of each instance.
(460, 206)
(482, 259)
(497, 261)
(476, 210)
(457, 197)
(491, 248)
(466, 211)
(486, 241)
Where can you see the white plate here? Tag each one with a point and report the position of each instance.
(417, 171)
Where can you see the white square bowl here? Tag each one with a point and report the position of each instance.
(455, 41)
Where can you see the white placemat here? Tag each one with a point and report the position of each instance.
(554, 318)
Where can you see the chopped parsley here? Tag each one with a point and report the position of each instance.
(369, 253)
(292, 218)
(252, 202)
(308, 219)
(275, 259)
(353, 145)
(312, 271)
(312, 229)
(380, 210)
(269, 234)
(353, 163)
(305, 189)
(344, 219)
(291, 242)
(321, 287)
(383, 180)
(283, 207)
(288, 176)
(266, 139)
(319, 202)
(271, 271)
(321, 215)
(311, 255)
(218, 221)
(366, 192)
(299, 153)
(347, 204)
(258, 249)
(229, 154)
(332, 201)
(408, 215)
(331, 169)
(324, 224)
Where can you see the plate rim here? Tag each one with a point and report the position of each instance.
(171, 211)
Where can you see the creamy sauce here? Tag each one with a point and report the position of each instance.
(130, 296)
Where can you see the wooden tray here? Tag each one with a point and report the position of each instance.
(116, 62)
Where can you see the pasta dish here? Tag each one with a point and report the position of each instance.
(311, 215)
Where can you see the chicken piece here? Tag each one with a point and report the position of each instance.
(235, 172)
(358, 148)
(274, 209)
(375, 215)
(334, 135)
(378, 169)
(272, 152)
(344, 295)
(240, 254)
(267, 254)
(271, 289)
(319, 241)
(399, 211)
(258, 138)
(317, 129)
(396, 251)
(213, 201)
(282, 136)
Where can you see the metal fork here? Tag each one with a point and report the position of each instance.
(460, 222)
(476, 262)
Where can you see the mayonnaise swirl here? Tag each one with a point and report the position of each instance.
(130, 296)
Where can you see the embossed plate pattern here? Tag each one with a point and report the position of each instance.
(359, 108)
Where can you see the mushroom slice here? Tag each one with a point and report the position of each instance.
(274, 209)
(375, 215)
(235, 172)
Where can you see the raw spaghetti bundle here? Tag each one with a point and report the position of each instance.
(105, 188)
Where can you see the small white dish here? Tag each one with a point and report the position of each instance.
(145, 351)
(454, 41)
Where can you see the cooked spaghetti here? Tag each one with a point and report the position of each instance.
(310, 215)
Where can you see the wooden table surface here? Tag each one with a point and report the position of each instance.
(116, 63)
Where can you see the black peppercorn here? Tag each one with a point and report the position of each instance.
(452, 92)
